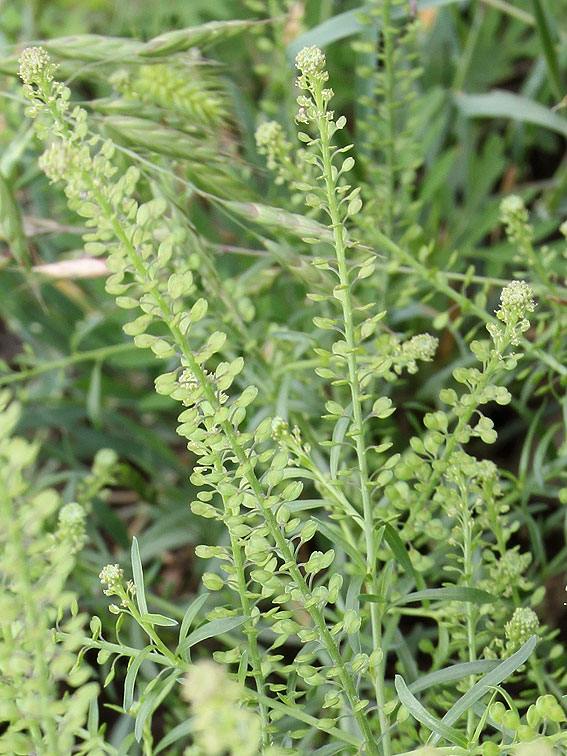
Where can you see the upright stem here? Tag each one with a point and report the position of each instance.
(470, 607)
(358, 423)
(389, 104)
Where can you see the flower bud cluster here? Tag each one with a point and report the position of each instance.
(271, 141)
(311, 64)
(514, 215)
(36, 67)
(71, 525)
(521, 627)
(516, 300)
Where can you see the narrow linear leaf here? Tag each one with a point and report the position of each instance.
(132, 674)
(334, 535)
(498, 675)
(341, 427)
(152, 701)
(449, 593)
(192, 611)
(159, 619)
(456, 672)
(400, 553)
(138, 573)
(181, 731)
(546, 39)
(419, 712)
(210, 630)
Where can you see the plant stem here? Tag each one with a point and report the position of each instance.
(357, 423)
(389, 104)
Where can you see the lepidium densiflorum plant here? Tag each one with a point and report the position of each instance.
(44, 695)
(316, 634)
(264, 558)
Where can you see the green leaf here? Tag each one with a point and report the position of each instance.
(449, 593)
(152, 701)
(400, 552)
(493, 678)
(546, 39)
(500, 104)
(11, 229)
(348, 23)
(341, 427)
(138, 573)
(210, 630)
(190, 613)
(181, 731)
(455, 672)
(419, 712)
(159, 619)
(132, 674)
(334, 535)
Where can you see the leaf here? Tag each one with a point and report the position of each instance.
(341, 427)
(210, 630)
(546, 39)
(138, 573)
(419, 712)
(190, 613)
(348, 23)
(449, 593)
(493, 678)
(501, 104)
(400, 552)
(158, 619)
(132, 674)
(93, 404)
(181, 731)
(456, 672)
(334, 535)
(152, 701)
(11, 229)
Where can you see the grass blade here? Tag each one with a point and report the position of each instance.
(501, 104)
(548, 48)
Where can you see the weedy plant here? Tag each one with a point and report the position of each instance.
(369, 589)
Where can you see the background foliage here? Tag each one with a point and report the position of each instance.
(450, 112)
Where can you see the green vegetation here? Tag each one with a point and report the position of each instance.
(283, 420)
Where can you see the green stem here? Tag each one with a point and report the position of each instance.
(92, 355)
(390, 106)
(357, 423)
(470, 607)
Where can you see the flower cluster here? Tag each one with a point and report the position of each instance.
(71, 525)
(36, 66)
(220, 724)
(271, 141)
(516, 300)
(515, 217)
(111, 575)
(421, 347)
(311, 65)
(521, 627)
